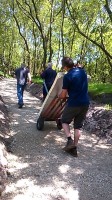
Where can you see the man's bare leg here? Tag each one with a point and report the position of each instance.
(66, 129)
(77, 134)
(70, 143)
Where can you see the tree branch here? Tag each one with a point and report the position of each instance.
(17, 23)
(86, 36)
(106, 6)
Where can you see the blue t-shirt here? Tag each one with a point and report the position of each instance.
(75, 82)
(49, 76)
(21, 75)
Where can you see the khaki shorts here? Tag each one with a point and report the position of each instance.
(78, 114)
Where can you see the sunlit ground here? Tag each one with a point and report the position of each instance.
(26, 189)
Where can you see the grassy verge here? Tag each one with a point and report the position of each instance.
(94, 88)
(1, 73)
(7, 76)
(100, 88)
(37, 80)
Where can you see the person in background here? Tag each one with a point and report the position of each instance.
(79, 64)
(49, 76)
(22, 75)
(75, 85)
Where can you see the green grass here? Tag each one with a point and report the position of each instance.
(94, 88)
(1, 73)
(7, 76)
(100, 88)
(37, 80)
(108, 107)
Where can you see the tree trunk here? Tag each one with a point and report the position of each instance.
(50, 32)
(108, 9)
(62, 37)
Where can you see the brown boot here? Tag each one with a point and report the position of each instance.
(73, 152)
(70, 145)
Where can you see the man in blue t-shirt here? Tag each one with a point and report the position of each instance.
(49, 76)
(22, 74)
(75, 85)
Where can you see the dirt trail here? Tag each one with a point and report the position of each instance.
(40, 169)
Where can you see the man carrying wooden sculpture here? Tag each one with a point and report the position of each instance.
(75, 85)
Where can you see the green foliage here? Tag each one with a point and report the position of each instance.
(6, 75)
(44, 28)
(1, 73)
(100, 88)
(108, 107)
(37, 79)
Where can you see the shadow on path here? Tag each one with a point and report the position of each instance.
(41, 170)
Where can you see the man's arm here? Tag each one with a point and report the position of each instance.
(15, 73)
(43, 74)
(29, 77)
(63, 94)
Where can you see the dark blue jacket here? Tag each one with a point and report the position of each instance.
(49, 76)
(75, 82)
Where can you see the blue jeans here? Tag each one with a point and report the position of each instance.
(20, 90)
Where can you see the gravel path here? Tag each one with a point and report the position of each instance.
(41, 170)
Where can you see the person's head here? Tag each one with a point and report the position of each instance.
(49, 65)
(23, 65)
(79, 64)
(67, 63)
(75, 63)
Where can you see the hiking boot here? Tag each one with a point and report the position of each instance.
(20, 106)
(70, 145)
(73, 152)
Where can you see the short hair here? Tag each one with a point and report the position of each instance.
(49, 65)
(23, 65)
(68, 62)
